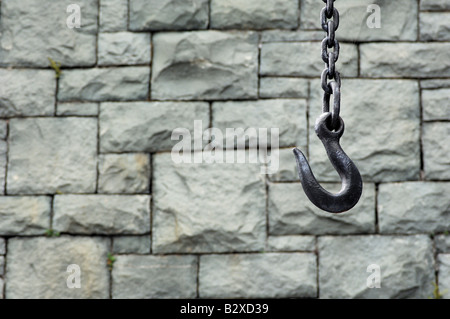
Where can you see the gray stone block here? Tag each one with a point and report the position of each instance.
(268, 275)
(301, 59)
(435, 150)
(46, 265)
(435, 26)
(3, 129)
(132, 244)
(435, 84)
(300, 216)
(124, 173)
(434, 104)
(32, 31)
(405, 263)
(113, 15)
(2, 283)
(286, 115)
(442, 243)
(291, 243)
(434, 5)
(3, 163)
(27, 92)
(207, 207)
(254, 14)
(287, 171)
(417, 60)
(123, 48)
(147, 126)
(105, 84)
(157, 15)
(382, 127)
(398, 19)
(205, 65)
(2, 265)
(283, 88)
(414, 207)
(155, 277)
(50, 155)
(102, 214)
(444, 275)
(2, 246)
(291, 36)
(24, 215)
(77, 109)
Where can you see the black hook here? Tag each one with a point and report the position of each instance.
(352, 184)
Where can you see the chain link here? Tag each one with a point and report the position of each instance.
(330, 59)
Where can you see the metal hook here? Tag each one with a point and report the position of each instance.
(352, 184)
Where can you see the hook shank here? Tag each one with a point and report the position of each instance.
(352, 184)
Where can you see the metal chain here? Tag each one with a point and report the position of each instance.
(330, 59)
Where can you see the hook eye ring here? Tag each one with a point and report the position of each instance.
(335, 89)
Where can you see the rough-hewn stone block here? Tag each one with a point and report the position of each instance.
(2, 246)
(155, 277)
(32, 31)
(77, 109)
(123, 48)
(435, 26)
(287, 171)
(102, 214)
(291, 36)
(283, 88)
(254, 14)
(207, 207)
(435, 84)
(132, 244)
(300, 216)
(50, 155)
(436, 148)
(44, 263)
(147, 126)
(414, 207)
(113, 15)
(288, 116)
(291, 243)
(444, 274)
(443, 243)
(434, 104)
(3, 129)
(269, 275)
(3, 163)
(105, 84)
(405, 263)
(24, 215)
(124, 173)
(418, 60)
(434, 5)
(301, 59)
(155, 15)
(2, 265)
(27, 92)
(205, 65)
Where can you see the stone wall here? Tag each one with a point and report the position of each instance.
(87, 176)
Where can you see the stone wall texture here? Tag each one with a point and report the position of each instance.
(87, 177)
